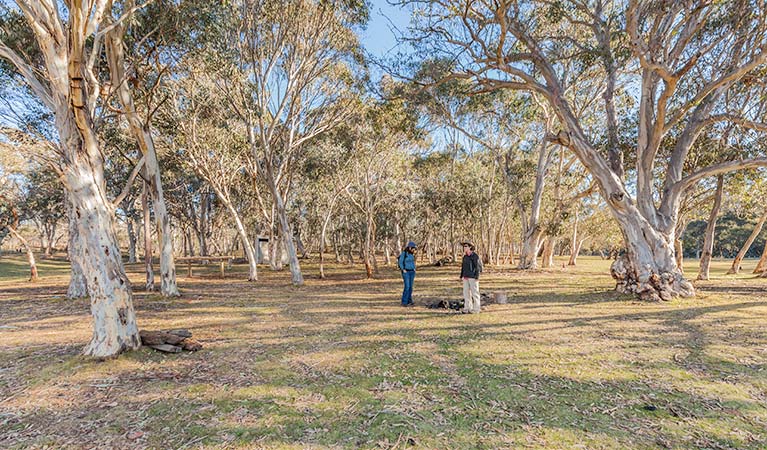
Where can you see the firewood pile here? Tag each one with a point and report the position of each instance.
(444, 261)
(457, 305)
(171, 341)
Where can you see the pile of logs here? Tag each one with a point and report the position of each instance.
(171, 341)
(444, 261)
(484, 299)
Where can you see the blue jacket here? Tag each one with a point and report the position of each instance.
(406, 261)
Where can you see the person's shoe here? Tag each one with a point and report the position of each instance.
(410, 304)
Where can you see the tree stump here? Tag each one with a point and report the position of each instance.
(500, 298)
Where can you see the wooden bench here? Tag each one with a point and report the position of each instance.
(201, 259)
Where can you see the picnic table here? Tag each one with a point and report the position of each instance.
(202, 259)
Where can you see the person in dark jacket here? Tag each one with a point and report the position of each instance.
(471, 267)
(406, 264)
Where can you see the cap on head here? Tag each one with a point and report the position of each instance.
(411, 244)
(465, 243)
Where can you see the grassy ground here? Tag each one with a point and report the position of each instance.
(338, 364)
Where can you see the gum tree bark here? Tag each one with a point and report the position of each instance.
(708, 242)
(735, 268)
(77, 287)
(70, 92)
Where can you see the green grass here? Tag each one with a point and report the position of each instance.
(338, 364)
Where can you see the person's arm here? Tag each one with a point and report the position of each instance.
(401, 261)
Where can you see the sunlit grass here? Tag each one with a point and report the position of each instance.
(338, 363)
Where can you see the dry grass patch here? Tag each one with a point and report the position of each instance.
(339, 364)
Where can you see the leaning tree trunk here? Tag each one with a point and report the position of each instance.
(246, 244)
(708, 243)
(77, 287)
(30, 254)
(147, 238)
(141, 132)
(761, 266)
(735, 268)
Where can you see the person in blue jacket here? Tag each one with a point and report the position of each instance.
(406, 264)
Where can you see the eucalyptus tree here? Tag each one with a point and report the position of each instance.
(215, 147)
(325, 177)
(750, 198)
(683, 58)
(43, 203)
(379, 140)
(57, 59)
(294, 75)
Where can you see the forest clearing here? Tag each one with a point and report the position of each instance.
(338, 363)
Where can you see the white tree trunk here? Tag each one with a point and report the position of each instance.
(708, 243)
(131, 241)
(574, 244)
(77, 287)
(648, 268)
(287, 236)
(747, 245)
(147, 238)
(531, 245)
(114, 322)
(168, 286)
(246, 244)
(140, 130)
(547, 260)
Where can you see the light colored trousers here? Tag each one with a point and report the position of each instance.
(471, 295)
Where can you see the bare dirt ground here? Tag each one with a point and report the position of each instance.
(339, 364)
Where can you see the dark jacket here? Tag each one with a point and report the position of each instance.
(406, 261)
(471, 266)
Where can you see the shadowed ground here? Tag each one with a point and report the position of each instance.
(337, 363)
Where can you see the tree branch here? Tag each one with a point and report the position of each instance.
(28, 73)
(129, 183)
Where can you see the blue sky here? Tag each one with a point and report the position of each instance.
(380, 38)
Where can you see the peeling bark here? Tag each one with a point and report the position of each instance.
(77, 287)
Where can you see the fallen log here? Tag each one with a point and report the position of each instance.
(172, 341)
(166, 348)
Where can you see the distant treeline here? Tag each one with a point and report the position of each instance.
(731, 233)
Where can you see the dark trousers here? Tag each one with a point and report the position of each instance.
(407, 292)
